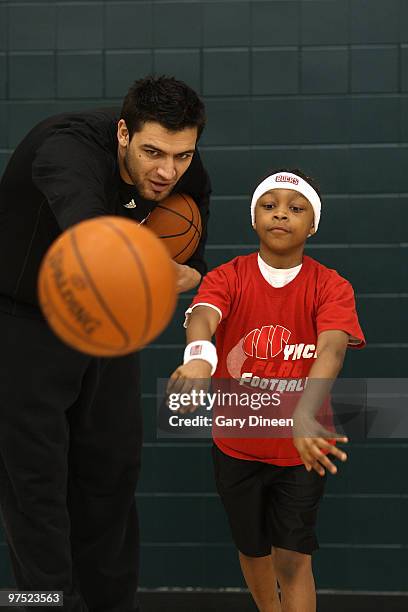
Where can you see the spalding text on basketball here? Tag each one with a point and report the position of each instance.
(84, 318)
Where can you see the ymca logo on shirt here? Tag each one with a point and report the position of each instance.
(269, 341)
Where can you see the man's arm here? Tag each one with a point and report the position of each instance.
(310, 438)
(70, 175)
(187, 278)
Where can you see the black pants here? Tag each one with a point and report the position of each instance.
(70, 442)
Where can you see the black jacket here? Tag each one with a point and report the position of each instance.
(63, 172)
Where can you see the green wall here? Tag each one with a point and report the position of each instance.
(320, 84)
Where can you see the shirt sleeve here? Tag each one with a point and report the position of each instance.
(70, 175)
(337, 310)
(197, 184)
(216, 291)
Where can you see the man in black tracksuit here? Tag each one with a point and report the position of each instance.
(70, 424)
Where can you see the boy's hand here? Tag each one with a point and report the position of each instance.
(196, 374)
(310, 451)
(311, 448)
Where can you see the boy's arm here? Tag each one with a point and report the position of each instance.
(331, 349)
(203, 322)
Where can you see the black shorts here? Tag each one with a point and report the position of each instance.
(268, 505)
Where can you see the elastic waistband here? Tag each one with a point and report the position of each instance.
(19, 309)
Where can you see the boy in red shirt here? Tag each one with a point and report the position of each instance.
(277, 314)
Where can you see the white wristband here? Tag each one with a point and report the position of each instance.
(202, 349)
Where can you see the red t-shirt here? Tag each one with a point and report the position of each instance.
(272, 332)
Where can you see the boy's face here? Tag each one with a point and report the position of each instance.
(283, 220)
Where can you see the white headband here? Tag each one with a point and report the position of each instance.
(286, 180)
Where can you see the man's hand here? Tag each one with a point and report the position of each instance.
(196, 374)
(311, 439)
(187, 278)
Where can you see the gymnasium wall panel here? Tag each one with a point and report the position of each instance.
(176, 24)
(404, 68)
(80, 26)
(31, 75)
(340, 169)
(3, 126)
(376, 119)
(375, 21)
(282, 65)
(324, 71)
(374, 69)
(23, 115)
(226, 72)
(324, 23)
(3, 76)
(23, 36)
(225, 24)
(119, 65)
(3, 28)
(119, 27)
(229, 120)
(186, 62)
(275, 23)
(85, 67)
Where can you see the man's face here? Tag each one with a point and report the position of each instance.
(154, 159)
(283, 219)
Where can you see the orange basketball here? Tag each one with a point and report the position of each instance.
(177, 221)
(107, 286)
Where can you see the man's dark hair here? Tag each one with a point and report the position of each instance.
(312, 182)
(164, 100)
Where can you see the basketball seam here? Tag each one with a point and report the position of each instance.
(98, 296)
(194, 224)
(198, 240)
(196, 209)
(144, 278)
(174, 212)
(166, 236)
(196, 233)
